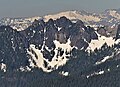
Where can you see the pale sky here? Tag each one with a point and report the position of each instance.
(27, 8)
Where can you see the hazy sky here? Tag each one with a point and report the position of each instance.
(24, 8)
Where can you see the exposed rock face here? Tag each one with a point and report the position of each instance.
(54, 39)
(118, 33)
(61, 47)
(48, 45)
(102, 31)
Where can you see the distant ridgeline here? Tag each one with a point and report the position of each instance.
(59, 53)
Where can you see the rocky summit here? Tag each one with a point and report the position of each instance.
(57, 52)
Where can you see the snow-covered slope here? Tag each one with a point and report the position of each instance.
(110, 17)
(97, 44)
(18, 23)
(84, 16)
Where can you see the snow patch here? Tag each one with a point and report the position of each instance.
(39, 59)
(102, 61)
(60, 60)
(3, 67)
(95, 73)
(59, 28)
(100, 42)
(24, 69)
(117, 41)
(64, 73)
(108, 70)
(31, 63)
(57, 60)
(117, 66)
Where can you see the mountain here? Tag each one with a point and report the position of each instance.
(18, 23)
(74, 15)
(60, 52)
(109, 18)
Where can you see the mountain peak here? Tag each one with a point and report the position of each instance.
(109, 17)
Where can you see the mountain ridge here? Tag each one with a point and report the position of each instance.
(59, 52)
(55, 40)
(109, 17)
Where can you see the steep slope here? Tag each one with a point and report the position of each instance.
(48, 46)
(55, 50)
(109, 18)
